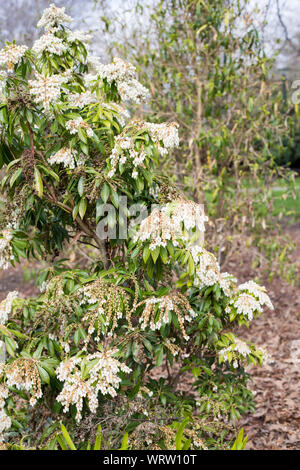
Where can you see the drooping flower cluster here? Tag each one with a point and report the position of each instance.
(227, 283)
(189, 213)
(172, 222)
(23, 374)
(86, 377)
(5, 421)
(74, 124)
(123, 74)
(80, 36)
(165, 136)
(258, 291)
(11, 54)
(49, 43)
(47, 90)
(6, 306)
(124, 152)
(250, 300)
(236, 351)
(110, 303)
(65, 156)
(158, 312)
(6, 253)
(165, 133)
(206, 266)
(79, 100)
(158, 228)
(53, 17)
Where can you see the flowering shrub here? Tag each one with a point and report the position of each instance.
(86, 347)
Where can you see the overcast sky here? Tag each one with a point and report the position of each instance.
(19, 16)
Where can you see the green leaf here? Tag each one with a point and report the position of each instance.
(124, 445)
(179, 434)
(15, 176)
(97, 445)
(80, 186)
(105, 191)
(67, 438)
(82, 207)
(38, 182)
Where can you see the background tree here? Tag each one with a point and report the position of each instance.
(218, 84)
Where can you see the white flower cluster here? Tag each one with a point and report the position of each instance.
(234, 351)
(247, 305)
(93, 62)
(123, 152)
(23, 374)
(15, 218)
(207, 267)
(258, 291)
(189, 213)
(5, 421)
(166, 224)
(47, 90)
(6, 254)
(53, 17)
(11, 54)
(79, 100)
(250, 300)
(74, 124)
(165, 133)
(80, 36)
(165, 305)
(165, 136)
(6, 306)
(227, 282)
(50, 43)
(102, 376)
(66, 156)
(123, 73)
(158, 228)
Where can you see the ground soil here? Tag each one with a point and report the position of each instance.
(276, 422)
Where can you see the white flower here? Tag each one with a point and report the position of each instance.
(102, 377)
(74, 124)
(226, 282)
(5, 421)
(6, 253)
(6, 306)
(65, 156)
(123, 74)
(158, 228)
(157, 312)
(53, 17)
(11, 54)
(247, 305)
(189, 213)
(207, 268)
(80, 36)
(49, 42)
(79, 100)
(166, 132)
(47, 90)
(258, 291)
(236, 349)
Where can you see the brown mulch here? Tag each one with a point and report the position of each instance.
(276, 422)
